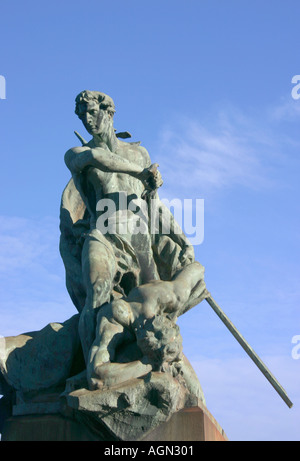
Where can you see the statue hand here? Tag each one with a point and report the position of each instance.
(187, 255)
(151, 177)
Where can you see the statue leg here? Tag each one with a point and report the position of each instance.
(109, 335)
(110, 332)
(99, 267)
(113, 329)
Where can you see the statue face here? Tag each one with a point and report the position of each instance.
(93, 118)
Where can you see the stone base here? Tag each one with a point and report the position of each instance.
(42, 428)
(189, 424)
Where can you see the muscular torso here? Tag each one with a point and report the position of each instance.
(95, 184)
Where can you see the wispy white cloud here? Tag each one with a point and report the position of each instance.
(287, 109)
(235, 149)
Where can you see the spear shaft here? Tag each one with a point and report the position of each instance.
(247, 348)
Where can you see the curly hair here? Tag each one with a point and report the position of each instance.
(159, 339)
(104, 101)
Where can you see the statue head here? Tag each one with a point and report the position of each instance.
(159, 339)
(95, 110)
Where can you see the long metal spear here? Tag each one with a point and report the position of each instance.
(258, 362)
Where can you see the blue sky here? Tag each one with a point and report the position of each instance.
(206, 86)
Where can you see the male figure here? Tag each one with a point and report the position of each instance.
(148, 315)
(102, 169)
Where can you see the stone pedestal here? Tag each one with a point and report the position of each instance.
(43, 428)
(189, 424)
